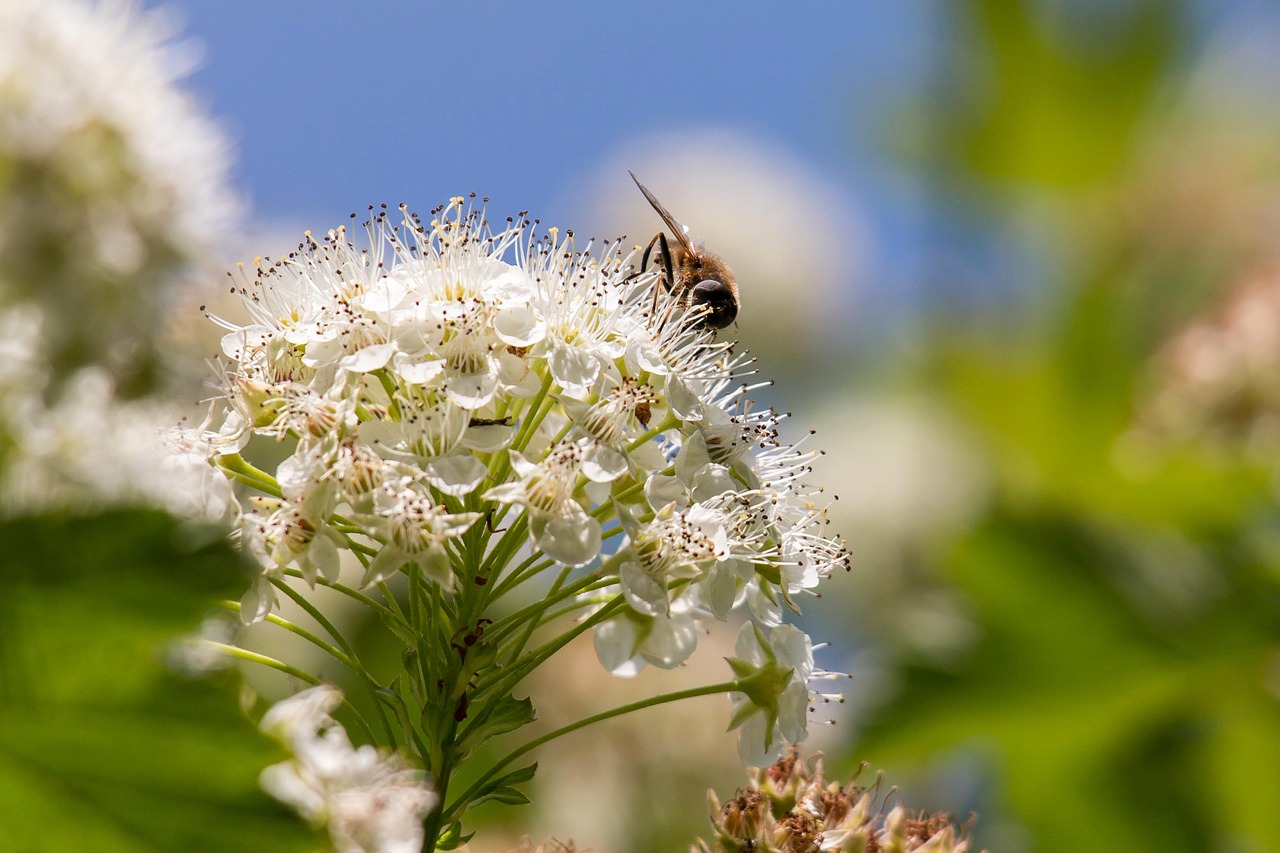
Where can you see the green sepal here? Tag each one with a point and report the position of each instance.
(451, 838)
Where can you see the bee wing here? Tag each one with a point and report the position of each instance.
(677, 230)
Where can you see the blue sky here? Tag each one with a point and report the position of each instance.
(336, 105)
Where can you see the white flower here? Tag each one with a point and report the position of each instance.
(629, 641)
(774, 705)
(384, 816)
(416, 530)
(548, 491)
(371, 802)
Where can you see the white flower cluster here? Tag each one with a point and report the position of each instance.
(369, 800)
(110, 181)
(445, 375)
(110, 177)
(87, 449)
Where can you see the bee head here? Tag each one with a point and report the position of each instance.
(719, 299)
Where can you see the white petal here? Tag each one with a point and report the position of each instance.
(713, 480)
(793, 710)
(507, 493)
(517, 326)
(523, 467)
(575, 369)
(283, 782)
(234, 344)
(436, 566)
(505, 282)
(663, 489)
(720, 589)
(604, 465)
(456, 475)
(471, 391)
(757, 744)
(296, 473)
(794, 649)
(455, 525)
(384, 293)
(670, 642)
(257, 601)
(373, 357)
(764, 607)
(649, 456)
(489, 438)
(645, 595)
(416, 372)
(615, 642)
(323, 554)
(682, 400)
(597, 493)
(747, 645)
(383, 566)
(297, 717)
(692, 458)
(572, 540)
(516, 377)
(643, 356)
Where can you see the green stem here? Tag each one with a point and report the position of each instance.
(264, 660)
(353, 594)
(333, 651)
(354, 662)
(235, 465)
(514, 578)
(521, 667)
(533, 623)
(513, 621)
(652, 702)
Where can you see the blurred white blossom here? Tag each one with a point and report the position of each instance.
(110, 178)
(370, 800)
(88, 450)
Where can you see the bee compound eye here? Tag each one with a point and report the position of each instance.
(718, 297)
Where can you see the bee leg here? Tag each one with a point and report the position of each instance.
(644, 259)
(668, 276)
(669, 279)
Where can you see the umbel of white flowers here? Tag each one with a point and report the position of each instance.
(477, 408)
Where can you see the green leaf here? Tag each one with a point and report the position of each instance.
(508, 714)
(1033, 100)
(502, 788)
(102, 747)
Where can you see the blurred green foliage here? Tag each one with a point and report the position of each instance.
(1124, 689)
(1045, 98)
(102, 747)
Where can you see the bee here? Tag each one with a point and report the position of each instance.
(697, 278)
